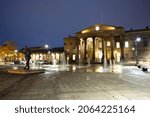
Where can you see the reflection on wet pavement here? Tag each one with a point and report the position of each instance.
(86, 68)
(78, 82)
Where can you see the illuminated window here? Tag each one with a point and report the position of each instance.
(89, 39)
(73, 57)
(126, 44)
(100, 45)
(108, 43)
(57, 56)
(117, 44)
(79, 47)
(100, 54)
(79, 56)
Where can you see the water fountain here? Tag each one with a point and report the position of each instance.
(67, 62)
(89, 62)
(63, 60)
(114, 63)
(105, 64)
(110, 63)
(80, 63)
(64, 64)
(54, 61)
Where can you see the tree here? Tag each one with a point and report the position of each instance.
(7, 51)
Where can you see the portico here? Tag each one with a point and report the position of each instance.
(101, 42)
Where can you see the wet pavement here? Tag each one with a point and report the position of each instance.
(77, 82)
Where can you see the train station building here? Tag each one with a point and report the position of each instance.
(99, 43)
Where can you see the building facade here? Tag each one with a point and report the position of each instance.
(100, 43)
(71, 45)
(45, 54)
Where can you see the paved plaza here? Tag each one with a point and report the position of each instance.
(76, 82)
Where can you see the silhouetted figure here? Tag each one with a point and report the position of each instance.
(27, 57)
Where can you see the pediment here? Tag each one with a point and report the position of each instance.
(99, 28)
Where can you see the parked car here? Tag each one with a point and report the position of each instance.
(145, 66)
(140, 64)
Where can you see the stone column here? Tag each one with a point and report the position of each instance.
(77, 51)
(103, 50)
(59, 58)
(77, 54)
(85, 51)
(122, 47)
(112, 50)
(93, 53)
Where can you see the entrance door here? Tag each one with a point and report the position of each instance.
(117, 56)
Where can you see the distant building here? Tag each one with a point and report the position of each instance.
(101, 42)
(41, 53)
(71, 45)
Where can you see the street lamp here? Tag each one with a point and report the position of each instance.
(138, 39)
(16, 51)
(46, 46)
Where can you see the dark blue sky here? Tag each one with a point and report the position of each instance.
(37, 22)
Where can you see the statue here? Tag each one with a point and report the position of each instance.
(27, 57)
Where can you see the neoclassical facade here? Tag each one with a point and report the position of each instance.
(99, 43)
(41, 53)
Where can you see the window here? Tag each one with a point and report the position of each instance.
(73, 57)
(108, 43)
(100, 45)
(79, 47)
(79, 56)
(145, 43)
(126, 44)
(117, 44)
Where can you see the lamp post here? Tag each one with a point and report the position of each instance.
(49, 53)
(16, 53)
(138, 39)
(46, 46)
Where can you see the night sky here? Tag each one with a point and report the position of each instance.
(39, 22)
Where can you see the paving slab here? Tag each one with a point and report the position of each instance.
(127, 84)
